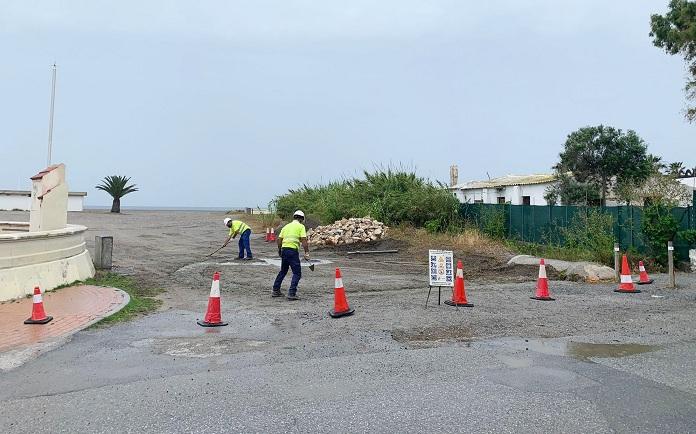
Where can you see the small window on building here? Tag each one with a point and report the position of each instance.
(501, 199)
(478, 200)
(526, 200)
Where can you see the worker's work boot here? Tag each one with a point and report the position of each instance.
(276, 293)
(293, 297)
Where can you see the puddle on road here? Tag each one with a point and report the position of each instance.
(586, 351)
(433, 335)
(578, 350)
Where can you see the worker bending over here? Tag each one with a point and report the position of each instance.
(291, 236)
(240, 228)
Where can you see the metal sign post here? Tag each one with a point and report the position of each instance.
(670, 264)
(616, 262)
(440, 272)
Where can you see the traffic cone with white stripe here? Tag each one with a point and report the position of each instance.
(38, 315)
(644, 278)
(459, 293)
(213, 318)
(341, 307)
(273, 235)
(268, 234)
(542, 289)
(626, 284)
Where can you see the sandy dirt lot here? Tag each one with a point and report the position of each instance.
(168, 249)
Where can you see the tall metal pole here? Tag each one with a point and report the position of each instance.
(617, 274)
(670, 264)
(50, 116)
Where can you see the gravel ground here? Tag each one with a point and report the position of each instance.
(509, 364)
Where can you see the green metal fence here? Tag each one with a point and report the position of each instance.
(542, 224)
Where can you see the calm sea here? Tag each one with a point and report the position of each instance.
(166, 208)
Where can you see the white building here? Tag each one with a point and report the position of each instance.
(20, 200)
(512, 189)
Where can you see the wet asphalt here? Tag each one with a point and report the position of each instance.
(593, 361)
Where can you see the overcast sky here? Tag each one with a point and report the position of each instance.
(229, 103)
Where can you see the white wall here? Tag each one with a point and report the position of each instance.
(513, 194)
(9, 202)
(76, 203)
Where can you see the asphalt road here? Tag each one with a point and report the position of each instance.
(232, 380)
(507, 365)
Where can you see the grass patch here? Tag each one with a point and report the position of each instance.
(142, 299)
(466, 240)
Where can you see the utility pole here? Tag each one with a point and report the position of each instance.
(50, 115)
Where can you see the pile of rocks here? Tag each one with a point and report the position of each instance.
(347, 231)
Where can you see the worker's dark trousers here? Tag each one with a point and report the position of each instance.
(244, 244)
(290, 258)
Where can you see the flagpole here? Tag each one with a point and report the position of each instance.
(50, 116)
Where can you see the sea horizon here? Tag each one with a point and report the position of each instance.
(165, 208)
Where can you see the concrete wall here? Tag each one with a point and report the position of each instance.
(46, 259)
(21, 200)
(513, 194)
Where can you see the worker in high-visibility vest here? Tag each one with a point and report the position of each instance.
(290, 238)
(240, 228)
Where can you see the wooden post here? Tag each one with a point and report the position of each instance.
(617, 271)
(670, 264)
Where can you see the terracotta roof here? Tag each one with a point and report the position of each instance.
(44, 172)
(507, 180)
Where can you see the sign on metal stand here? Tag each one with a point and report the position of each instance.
(440, 272)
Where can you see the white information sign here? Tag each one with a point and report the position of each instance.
(441, 267)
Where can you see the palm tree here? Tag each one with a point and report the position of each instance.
(117, 188)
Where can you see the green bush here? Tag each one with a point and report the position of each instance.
(591, 234)
(393, 197)
(658, 227)
(494, 222)
(689, 236)
(432, 226)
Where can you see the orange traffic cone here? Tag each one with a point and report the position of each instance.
(644, 278)
(268, 234)
(626, 284)
(459, 293)
(542, 289)
(38, 315)
(273, 236)
(341, 307)
(213, 317)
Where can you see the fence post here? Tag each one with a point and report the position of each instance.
(630, 209)
(670, 264)
(619, 223)
(522, 209)
(103, 248)
(617, 274)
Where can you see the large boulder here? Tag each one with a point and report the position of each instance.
(587, 271)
